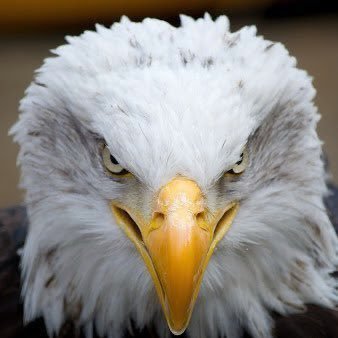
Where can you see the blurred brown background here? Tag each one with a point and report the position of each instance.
(30, 28)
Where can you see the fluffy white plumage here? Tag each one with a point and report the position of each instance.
(173, 101)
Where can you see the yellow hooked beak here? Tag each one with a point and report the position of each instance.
(176, 244)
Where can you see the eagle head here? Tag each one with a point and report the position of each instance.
(173, 175)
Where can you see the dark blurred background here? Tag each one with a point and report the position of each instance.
(30, 28)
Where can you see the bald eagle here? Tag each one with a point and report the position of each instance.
(174, 180)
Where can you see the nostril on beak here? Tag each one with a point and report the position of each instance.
(201, 218)
(200, 214)
(158, 219)
(158, 215)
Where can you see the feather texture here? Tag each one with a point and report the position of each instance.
(173, 101)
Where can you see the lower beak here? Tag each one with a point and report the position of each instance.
(177, 244)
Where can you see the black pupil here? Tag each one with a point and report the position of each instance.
(113, 160)
(240, 160)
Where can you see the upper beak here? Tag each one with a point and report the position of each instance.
(177, 244)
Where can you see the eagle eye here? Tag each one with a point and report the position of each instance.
(241, 164)
(111, 163)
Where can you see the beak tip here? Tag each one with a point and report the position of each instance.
(179, 324)
(177, 331)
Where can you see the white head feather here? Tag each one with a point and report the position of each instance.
(171, 101)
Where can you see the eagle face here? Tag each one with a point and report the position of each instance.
(173, 175)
